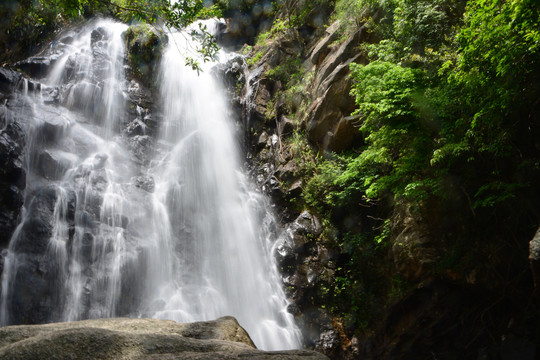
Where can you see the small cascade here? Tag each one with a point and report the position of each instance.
(182, 236)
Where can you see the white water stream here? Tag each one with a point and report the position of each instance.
(197, 247)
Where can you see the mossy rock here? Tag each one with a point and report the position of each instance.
(144, 45)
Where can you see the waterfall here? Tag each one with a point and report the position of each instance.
(195, 245)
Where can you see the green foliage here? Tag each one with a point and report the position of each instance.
(383, 93)
(286, 72)
(296, 96)
(492, 193)
(278, 27)
(359, 282)
(144, 45)
(397, 138)
(384, 234)
(295, 81)
(499, 49)
(299, 13)
(424, 109)
(179, 15)
(246, 49)
(302, 153)
(29, 23)
(255, 59)
(425, 24)
(352, 14)
(320, 190)
(448, 113)
(492, 86)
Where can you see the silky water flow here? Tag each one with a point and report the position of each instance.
(196, 245)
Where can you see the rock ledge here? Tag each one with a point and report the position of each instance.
(123, 338)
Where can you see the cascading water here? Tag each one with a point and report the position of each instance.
(196, 246)
(76, 169)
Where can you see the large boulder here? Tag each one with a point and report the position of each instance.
(123, 338)
(144, 45)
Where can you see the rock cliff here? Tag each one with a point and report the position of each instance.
(426, 281)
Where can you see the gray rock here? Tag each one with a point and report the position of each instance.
(145, 182)
(414, 249)
(329, 342)
(286, 126)
(231, 73)
(295, 190)
(286, 258)
(53, 128)
(38, 223)
(263, 140)
(346, 133)
(534, 257)
(306, 223)
(125, 338)
(9, 80)
(12, 175)
(136, 127)
(52, 165)
(37, 67)
(288, 171)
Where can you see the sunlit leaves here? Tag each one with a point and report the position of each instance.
(397, 141)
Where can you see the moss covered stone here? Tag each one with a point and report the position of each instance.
(144, 45)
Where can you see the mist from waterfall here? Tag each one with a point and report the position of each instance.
(195, 245)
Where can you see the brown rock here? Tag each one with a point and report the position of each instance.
(328, 121)
(346, 133)
(321, 48)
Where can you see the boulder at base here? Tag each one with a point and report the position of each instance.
(124, 338)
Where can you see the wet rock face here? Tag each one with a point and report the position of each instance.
(38, 225)
(144, 47)
(33, 298)
(307, 266)
(137, 339)
(12, 179)
(232, 75)
(9, 80)
(37, 67)
(12, 173)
